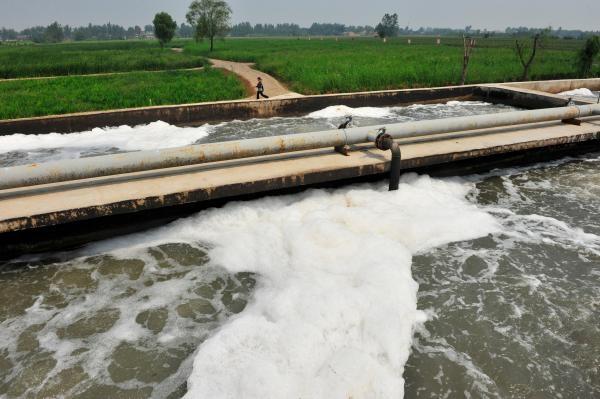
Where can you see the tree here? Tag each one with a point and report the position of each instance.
(522, 48)
(54, 33)
(67, 32)
(388, 26)
(185, 30)
(164, 28)
(210, 19)
(468, 45)
(587, 54)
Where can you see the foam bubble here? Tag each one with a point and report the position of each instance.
(339, 111)
(125, 138)
(579, 93)
(336, 305)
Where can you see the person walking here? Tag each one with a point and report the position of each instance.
(260, 89)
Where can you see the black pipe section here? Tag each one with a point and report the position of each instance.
(395, 166)
(385, 142)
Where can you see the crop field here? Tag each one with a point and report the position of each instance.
(38, 97)
(91, 57)
(329, 66)
(313, 66)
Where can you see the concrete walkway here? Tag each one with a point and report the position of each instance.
(58, 203)
(245, 70)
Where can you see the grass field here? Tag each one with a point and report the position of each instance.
(328, 66)
(91, 57)
(307, 66)
(62, 95)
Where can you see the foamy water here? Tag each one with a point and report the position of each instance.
(332, 314)
(485, 286)
(579, 93)
(336, 304)
(515, 313)
(19, 149)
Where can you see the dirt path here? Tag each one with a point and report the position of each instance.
(273, 88)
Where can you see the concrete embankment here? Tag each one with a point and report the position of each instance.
(215, 112)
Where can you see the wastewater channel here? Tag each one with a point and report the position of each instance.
(482, 286)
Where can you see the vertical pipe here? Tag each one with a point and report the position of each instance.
(385, 142)
(395, 166)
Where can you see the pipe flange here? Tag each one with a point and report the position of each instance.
(383, 141)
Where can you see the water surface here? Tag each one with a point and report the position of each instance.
(485, 286)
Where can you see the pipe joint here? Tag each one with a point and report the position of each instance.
(384, 141)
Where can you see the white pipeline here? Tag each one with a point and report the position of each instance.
(108, 165)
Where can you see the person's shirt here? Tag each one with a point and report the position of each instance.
(260, 86)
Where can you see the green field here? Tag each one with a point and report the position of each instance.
(329, 66)
(91, 57)
(62, 95)
(306, 66)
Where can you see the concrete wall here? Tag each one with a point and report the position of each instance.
(214, 112)
(520, 97)
(558, 86)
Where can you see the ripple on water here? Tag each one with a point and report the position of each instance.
(516, 314)
(107, 326)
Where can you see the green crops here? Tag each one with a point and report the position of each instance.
(62, 95)
(329, 66)
(82, 58)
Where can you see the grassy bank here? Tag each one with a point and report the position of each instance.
(91, 57)
(62, 95)
(328, 66)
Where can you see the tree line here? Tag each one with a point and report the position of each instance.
(246, 29)
(52, 32)
(55, 32)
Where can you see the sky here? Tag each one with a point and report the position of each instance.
(490, 14)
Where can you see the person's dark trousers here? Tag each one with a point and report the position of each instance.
(260, 93)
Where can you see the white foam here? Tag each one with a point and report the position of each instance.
(579, 93)
(339, 111)
(145, 137)
(336, 304)
(468, 104)
(451, 104)
(157, 135)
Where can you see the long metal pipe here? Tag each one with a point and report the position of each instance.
(107, 165)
